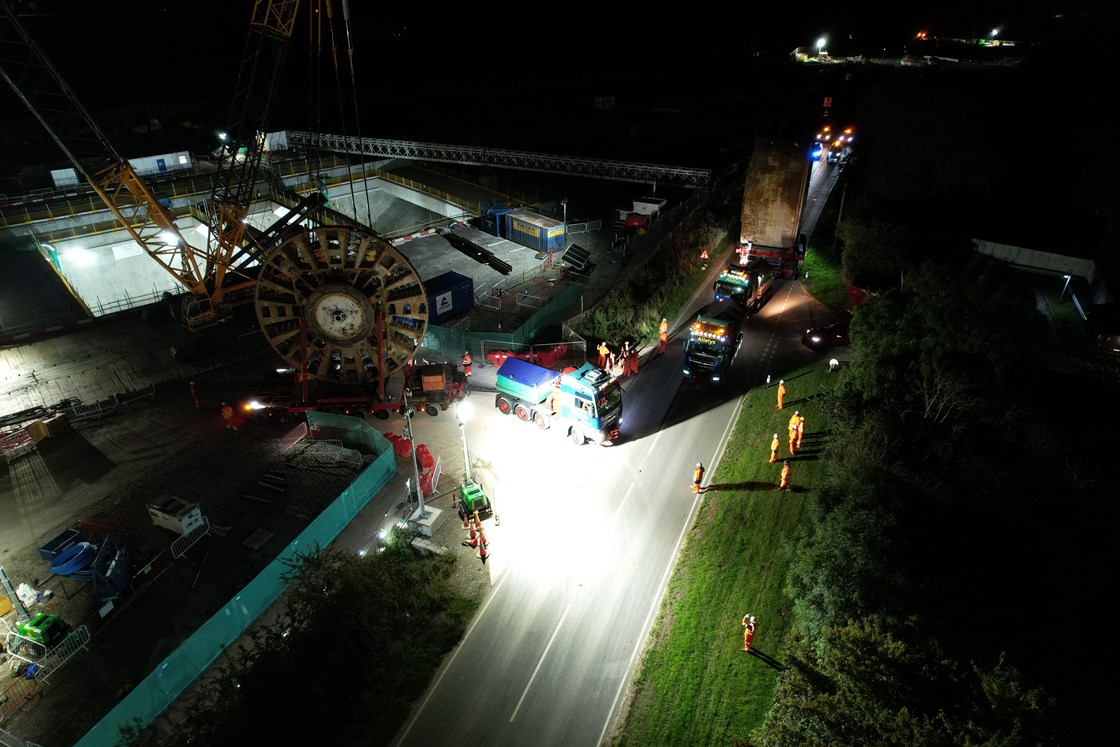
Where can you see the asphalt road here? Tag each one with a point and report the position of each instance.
(587, 541)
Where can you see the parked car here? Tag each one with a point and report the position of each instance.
(830, 335)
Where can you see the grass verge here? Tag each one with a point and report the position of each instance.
(694, 684)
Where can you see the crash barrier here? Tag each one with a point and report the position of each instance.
(184, 542)
(174, 674)
(80, 412)
(148, 392)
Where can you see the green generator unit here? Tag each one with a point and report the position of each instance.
(472, 498)
(43, 628)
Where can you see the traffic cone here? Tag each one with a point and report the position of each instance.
(473, 532)
(466, 520)
(482, 539)
(477, 523)
(471, 543)
(483, 553)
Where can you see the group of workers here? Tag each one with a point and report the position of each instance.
(626, 357)
(795, 434)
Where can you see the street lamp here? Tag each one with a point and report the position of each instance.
(420, 511)
(564, 204)
(820, 46)
(463, 412)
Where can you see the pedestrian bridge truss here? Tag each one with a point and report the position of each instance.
(625, 171)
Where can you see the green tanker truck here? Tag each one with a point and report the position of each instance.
(585, 402)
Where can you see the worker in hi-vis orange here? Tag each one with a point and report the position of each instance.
(781, 392)
(774, 449)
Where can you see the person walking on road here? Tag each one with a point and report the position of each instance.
(781, 392)
(662, 336)
(227, 416)
(467, 363)
(784, 485)
(774, 449)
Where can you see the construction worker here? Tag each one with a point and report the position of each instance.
(781, 392)
(196, 395)
(662, 336)
(467, 361)
(632, 359)
(793, 419)
(774, 449)
(697, 476)
(749, 627)
(227, 416)
(624, 358)
(800, 429)
(604, 355)
(793, 443)
(784, 485)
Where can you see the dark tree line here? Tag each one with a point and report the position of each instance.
(962, 521)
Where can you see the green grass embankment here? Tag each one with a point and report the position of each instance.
(695, 685)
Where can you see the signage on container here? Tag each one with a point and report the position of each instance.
(526, 228)
(556, 232)
(444, 303)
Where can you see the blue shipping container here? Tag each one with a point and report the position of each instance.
(534, 231)
(449, 295)
(491, 220)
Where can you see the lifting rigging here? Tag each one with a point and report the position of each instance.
(340, 304)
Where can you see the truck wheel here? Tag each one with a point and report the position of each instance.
(285, 417)
(577, 437)
(541, 421)
(259, 418)
(522, 413)
(504, 405)
(381, 414)
(408, 411)
(432, 409)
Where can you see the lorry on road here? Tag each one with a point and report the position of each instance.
(433, 388)
(773, 200)
(750, 284)
(713, 341)
(584, 402)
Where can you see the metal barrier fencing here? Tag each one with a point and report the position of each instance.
(291, 438)
(15, 695)
(148, 392)
(79, 412)
(53, 660)
(186, 541)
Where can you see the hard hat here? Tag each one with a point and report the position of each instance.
(786, 462)
(781, 381)
(796, 412)
(698, 464)
(775, 435)
(752, 618)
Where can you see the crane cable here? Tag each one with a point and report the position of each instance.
(357, 112)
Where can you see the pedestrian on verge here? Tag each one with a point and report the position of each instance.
(749, 627)
(662, 336)
(800, 429)
(781, 393)
(784, 485)
(774, 449)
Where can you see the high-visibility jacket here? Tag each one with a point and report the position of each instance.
(698, 474)
(785, 475)
(467, 360)
(775, 444)
(664, 329)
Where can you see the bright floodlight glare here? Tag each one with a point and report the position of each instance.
(222, 136)
(463, 411)
(821, 43)
(995, 33)
(281, 211)
(169, 238)
(80, 257)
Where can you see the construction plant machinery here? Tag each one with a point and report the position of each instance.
(340, 304)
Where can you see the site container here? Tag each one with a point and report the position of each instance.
(449, 295)
(491, 219)
(534, 231)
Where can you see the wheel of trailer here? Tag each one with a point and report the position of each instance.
(360, 412)
(504, 406)
(259, 418)
(285, 417)
(341, 305)
(541, 420)
(432, 409)
(522, 413)
(381, 414)
(577, 436)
